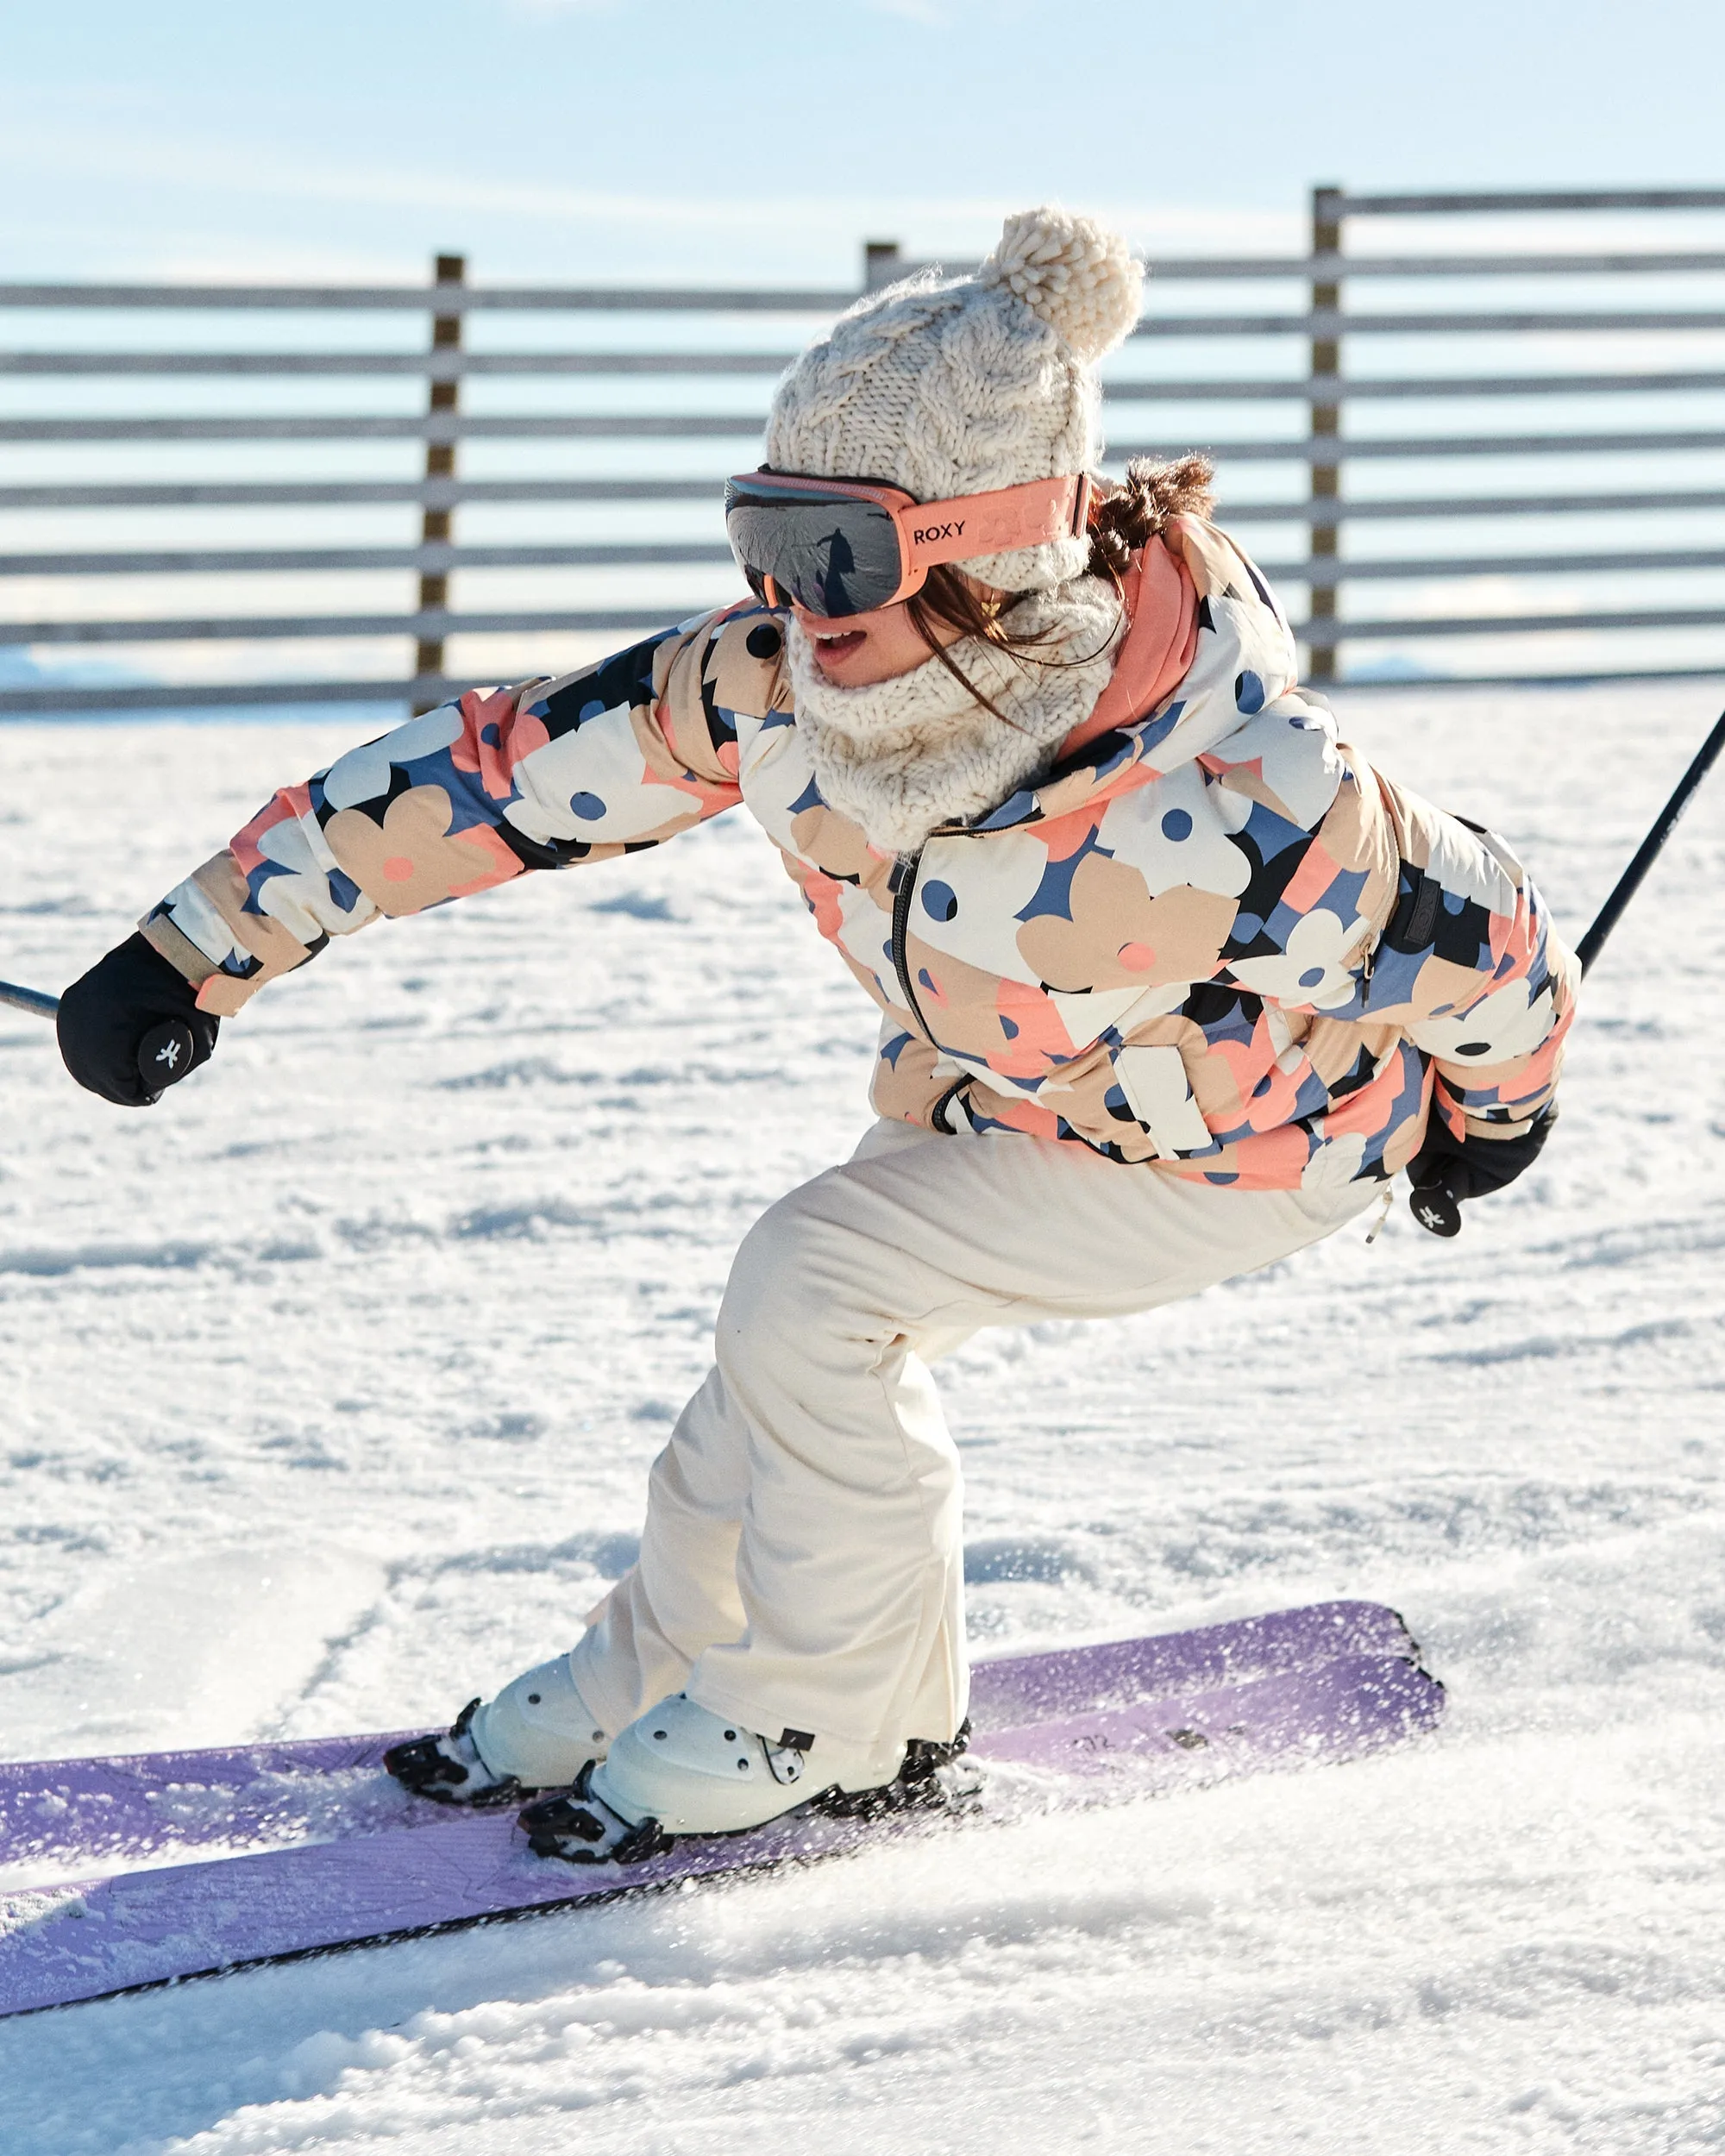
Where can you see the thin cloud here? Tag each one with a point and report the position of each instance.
(34, 149)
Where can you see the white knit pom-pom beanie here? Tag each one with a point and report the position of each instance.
(960, 385)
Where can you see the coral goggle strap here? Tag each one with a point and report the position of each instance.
(927, 533)
(997, 523)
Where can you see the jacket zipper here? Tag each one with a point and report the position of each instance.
(909, 863)
(901, 917)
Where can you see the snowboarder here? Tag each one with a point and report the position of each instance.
(1173, 982)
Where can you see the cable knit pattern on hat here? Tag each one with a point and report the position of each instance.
(901, 757)
(959, 385)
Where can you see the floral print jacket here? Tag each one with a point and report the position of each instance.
(1213, 940)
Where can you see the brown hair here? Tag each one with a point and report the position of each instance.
(1129, 517)
(1123, 519)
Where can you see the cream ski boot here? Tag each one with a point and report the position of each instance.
(682, 1770)
(538, 1733)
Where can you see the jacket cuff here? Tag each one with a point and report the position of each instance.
(180, 952)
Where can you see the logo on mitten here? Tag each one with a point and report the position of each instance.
(169, 1053)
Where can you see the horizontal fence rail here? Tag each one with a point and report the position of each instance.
(430, 621)
(443, 557)
(448, 493)
(447, 558)
(436, 493)
(745, 426)
(269, 628)
(1320, 265)
(1368, 467)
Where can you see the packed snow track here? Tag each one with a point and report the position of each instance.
(331, 1384)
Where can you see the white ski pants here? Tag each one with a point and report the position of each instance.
(801, 1565)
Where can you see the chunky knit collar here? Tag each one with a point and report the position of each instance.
(903, 756)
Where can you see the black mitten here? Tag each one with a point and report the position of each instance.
(131, 1027)
(1447, 1171)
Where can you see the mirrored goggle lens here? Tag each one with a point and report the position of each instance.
(833, 555)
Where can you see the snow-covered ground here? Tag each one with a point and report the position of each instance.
(329, 1386)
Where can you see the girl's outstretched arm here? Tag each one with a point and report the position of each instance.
(622, 754)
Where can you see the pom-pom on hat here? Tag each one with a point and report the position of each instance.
(958, 385)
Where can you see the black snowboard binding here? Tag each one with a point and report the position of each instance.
(580, 1828)
(449, 1768)
(928, 1781)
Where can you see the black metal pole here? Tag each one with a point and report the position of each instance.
(31, 999)
(1630, 882)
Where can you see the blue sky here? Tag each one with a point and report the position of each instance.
(662, 137)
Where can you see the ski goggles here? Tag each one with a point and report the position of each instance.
(840, 547)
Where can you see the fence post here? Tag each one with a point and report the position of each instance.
(1324, 543)
(881, 263)
(440, 464)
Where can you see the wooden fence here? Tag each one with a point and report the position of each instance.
(1342, 460)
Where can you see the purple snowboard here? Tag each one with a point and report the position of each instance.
(120, 1811)
(1074, 1727)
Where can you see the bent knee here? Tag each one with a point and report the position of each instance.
(802, 1273)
